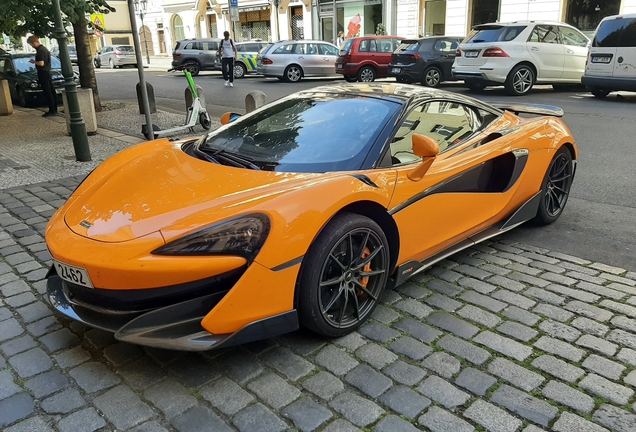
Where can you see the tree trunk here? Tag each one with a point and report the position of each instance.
(85, 58)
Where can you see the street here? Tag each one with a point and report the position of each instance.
(599, 222)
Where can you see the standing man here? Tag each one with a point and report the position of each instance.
(43, 66)
(228, 53)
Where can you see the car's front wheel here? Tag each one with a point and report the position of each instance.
(239, 70)
(520, 80)
(97, 64)
(599, 93)
(432, 77)
(555, 188)
(293, 73)
(22, 98)
(343, 275)
(475, 85)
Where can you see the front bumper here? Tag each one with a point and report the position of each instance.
(609, 83)
(175, 326)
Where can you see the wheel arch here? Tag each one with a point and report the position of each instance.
(571, 149)
(302, 71)
(527, 63)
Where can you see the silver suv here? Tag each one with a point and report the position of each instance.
(292, 60)
(196, 54)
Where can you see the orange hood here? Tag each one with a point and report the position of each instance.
(162, 186)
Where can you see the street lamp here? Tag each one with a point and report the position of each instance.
(140, 7)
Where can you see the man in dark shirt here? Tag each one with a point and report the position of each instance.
(43, 66)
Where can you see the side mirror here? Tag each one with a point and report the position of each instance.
(428, 149)
(229, 117)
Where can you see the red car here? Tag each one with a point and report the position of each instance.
(366, 58)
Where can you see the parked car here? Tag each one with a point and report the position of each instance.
(366, 58)
(196, 54)
(611, 64)
(115, 56)
(427, 60)
(246, 58)
(521, 54)
(292, 60)
(72, 52)
(302, 213)
(23, 78)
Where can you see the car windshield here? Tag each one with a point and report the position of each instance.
(346, 48)
(125, 48)
(23, 65)
(494, 34)
(306, 133)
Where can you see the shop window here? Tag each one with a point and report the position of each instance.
(177, 25)
(586, 15)
(485, 11)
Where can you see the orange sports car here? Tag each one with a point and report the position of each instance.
(300, 213)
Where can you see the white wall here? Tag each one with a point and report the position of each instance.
(515, 10)
(407, 18)
(456, 17)
(628, 6)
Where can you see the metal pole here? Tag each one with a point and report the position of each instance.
(140, 69)
(141, 15)
(78, 127)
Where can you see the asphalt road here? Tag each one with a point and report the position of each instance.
(599, 223)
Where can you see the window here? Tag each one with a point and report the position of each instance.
(177, 29)
(312, 49)
(408, 45)
(328, 50)
(209, 46)
(448, 123)
(545, 34)
(494, 33)
(572, 37)
(300, 49)
(345, 49)
(445, 45)
(385, 45)
(192, 46)
(364, 45)
(285, 49)
(616, 33)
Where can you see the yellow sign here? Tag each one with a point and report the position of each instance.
(98, 20)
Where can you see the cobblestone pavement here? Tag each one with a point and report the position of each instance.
(503, 337)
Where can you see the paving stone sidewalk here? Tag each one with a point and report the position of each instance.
(502, 337)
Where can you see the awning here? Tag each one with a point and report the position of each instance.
(246, 7)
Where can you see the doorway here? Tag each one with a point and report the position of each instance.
(326, 29)
(484, 12)
(435, 18)
(162, 41)
(145, 37)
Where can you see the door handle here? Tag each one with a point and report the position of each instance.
(570, 51)
(325, 58)
(301, 58)
(534, 49)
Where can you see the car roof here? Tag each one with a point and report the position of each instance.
(620, 16)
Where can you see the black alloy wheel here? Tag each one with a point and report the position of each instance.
(97, 64)
(556, 187)
(343, 275)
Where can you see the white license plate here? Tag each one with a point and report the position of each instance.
(601, 59)
(396, 70)
(74, 275)
(471, 54)
(338, 66)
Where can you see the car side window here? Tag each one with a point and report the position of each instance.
(312, 49)
(572, 37)
(545, 34)
(373, 46)
(328, 49)
(364, 45)
(444, 45)
(300, 49)
(448, 123)
(285, 49)
(385, 45)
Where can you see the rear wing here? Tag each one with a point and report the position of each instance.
(538, 109)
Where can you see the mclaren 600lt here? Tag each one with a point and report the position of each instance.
(300, 213)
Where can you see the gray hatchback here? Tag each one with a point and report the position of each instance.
(196, 54)
(292, 60)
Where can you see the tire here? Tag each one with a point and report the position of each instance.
(281, 78)
(350, 78)
(293, 73)
(205, 121)
(475, 85)
(22, 98)
(520, 80)
(555, 188)
(599, 93)
(366, 74)
(193, 67)
(432, 76)
(239, 70)
(97, 64)
(338, 288)
(111, 64)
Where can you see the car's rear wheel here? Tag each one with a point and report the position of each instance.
(193, 67)
(474, 85)
(555, 188)
(366, 74)
(350, 78)
(239, 70)
(111, 64)
(520, 80)
(599, 93)
(432, 76)
(293, 73)
(97, 64)
(343, 275)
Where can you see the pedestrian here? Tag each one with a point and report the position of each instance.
(43, 66)
(341, 39)
(227, 52)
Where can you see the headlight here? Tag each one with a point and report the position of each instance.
(243, 236)
(34, 85)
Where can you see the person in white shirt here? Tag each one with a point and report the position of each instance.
(227, 52)
(341, 39)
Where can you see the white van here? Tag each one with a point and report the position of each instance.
(611, 62)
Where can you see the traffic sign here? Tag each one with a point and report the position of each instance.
(98, 20)
(234, 3)
(234, 14)
(98, 33)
